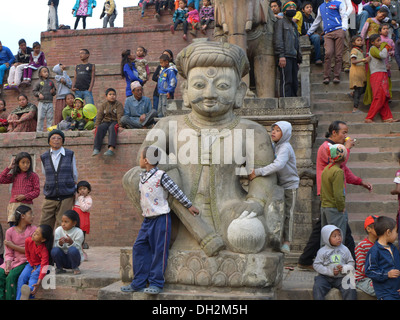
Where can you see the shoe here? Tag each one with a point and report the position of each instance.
(95, 152)
(85, 246)
(77, 271)
(318, 62)
(185, 37)
(336, 80)
(172, 29)
(285, 248)
(6, 87)
(129, 288)
(153, 290)
(109, 153)
(326, 81)
(25, 292)
(357, 111)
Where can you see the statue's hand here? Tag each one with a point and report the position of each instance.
(252, 208)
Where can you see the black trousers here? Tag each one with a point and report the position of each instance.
(314, 244)
(288, 78)
(101, 132)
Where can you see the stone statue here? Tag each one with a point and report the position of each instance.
(208, 150)
(250, 25)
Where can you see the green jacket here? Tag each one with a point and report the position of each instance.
(333, 191)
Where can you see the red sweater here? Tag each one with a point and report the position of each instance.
(323, 160)
(36, 255)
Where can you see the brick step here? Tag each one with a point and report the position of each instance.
(380, 186)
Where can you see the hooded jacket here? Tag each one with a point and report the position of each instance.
(44, 87)
(378, 263)
(284, 164)
(328, 257)
(62, 89)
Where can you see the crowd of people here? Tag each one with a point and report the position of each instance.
(346, 27)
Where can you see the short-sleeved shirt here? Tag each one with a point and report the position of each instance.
(83, 76)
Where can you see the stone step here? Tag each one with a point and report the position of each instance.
(380, 186)
(372, 170)
(371, 155)
(348, 116)
(346, 104)
(359, 128)
(382, 142)
(318, 86)
(318, 76)
(342, 95)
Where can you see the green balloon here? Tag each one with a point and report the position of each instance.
(90, 111)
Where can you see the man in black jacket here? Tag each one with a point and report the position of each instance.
(287, 50)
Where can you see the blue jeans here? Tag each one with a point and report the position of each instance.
(150, 252)
(315, 40)
(323, 284)
(3, 69)
(86, 95)
(196, 4)
(69, 260)
(27, 277)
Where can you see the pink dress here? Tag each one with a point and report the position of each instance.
(83, 8)
(18, 239)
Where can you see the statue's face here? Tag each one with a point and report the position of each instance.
(212, 91)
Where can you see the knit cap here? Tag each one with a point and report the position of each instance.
(288, 4)
(56, 131)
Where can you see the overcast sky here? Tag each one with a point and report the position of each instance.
(30, 19)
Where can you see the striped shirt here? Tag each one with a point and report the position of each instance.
(361, 253)
(22, 184)
(169, 185)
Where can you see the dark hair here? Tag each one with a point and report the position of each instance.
(22, 209)
(74, 216)
(278, 2)
(383, 25)
(109, 90)
(125, 60)
(164, 57)
(21, 41)
(47, 233)
(382, 224)
(191, 5)
(36, 44)
(83, 183)
(70, 94)
(355, 37)
(144, 50)
(152, 154)
(384, 10)
(86, 51)
(374, 37)
(398, 155)
(334, 126)
(4, 103)
(171, 54)
(17, 170)
(306, 3)
(22, 94)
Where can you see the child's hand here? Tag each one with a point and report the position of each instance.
(12, 163)
(194, 211)
(252, 175)
(36, 287)
(68, 240)
(394, 273)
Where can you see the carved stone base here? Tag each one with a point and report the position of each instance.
(242, 272)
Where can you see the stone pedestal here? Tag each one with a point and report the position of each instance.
(239, 274)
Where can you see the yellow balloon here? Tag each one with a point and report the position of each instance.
(90, 111)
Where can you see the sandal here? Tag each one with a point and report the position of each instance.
(152, 290)
(326, 81)
(77, 271)
(368, 121)
(129, 288)
(391, 120)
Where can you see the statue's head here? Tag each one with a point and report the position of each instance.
(213, 73)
